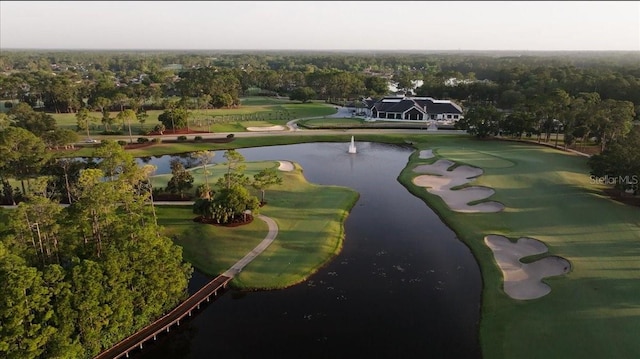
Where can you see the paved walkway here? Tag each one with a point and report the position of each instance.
(271, 235)
(343, 112)
(239, 265)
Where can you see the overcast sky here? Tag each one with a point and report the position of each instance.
(321, 25)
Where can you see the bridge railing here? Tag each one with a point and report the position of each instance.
(167, 320)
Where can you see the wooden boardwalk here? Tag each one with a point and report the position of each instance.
(174, 317)
(184, 309)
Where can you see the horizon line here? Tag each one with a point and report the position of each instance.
(306, 50)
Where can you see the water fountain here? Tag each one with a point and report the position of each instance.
(352, 146)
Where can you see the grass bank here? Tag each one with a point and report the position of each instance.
(310, 220)
(258, 141)
(592, 312)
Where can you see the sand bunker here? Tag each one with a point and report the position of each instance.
(425, 154)
(439, 181)
(286, 166)
(523, 281)
(270, 128)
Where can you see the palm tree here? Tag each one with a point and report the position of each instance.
(147, 172)
(128, 115)
(204, 158)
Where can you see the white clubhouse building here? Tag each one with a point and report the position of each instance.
(425, 109)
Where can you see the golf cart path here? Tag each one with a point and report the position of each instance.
(239, 265)
(271, 235)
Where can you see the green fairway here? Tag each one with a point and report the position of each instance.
(592, 312)
(265, 110)
(310, 220)
(211, 249)
(262, 100)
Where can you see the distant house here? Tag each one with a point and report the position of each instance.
(413, 109)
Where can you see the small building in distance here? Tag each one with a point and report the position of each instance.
(427, 109)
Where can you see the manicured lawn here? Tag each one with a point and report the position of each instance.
(331, 122)
(594, 311)
(310, 220)
(268, 111)
(311, 109)
(211, 249)
(261, 101)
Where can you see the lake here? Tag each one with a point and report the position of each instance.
(403, 286)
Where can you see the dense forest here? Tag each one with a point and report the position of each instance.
(61, 80)
(78, 278)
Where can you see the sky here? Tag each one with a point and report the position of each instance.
(321, 25)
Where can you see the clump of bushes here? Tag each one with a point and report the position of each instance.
(156, 140)
(143, 140)
(230, 135)
(182, 138)
(198, 138)
(122, 142)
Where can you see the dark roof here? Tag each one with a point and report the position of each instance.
(369, 102)
(402, 104)
(443, 108)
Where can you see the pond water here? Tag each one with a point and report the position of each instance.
(403, 287)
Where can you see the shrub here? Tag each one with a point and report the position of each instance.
(122, 142)
(197, 138)
(156, 140)
(182, 138)
(230, 135)
(143, 140)
(8, 104)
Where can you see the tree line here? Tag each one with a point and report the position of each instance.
(609, 122)
(64, 81)
(78, 279)
(582, 117)
(590, 91)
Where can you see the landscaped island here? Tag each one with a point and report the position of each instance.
(310, 220)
